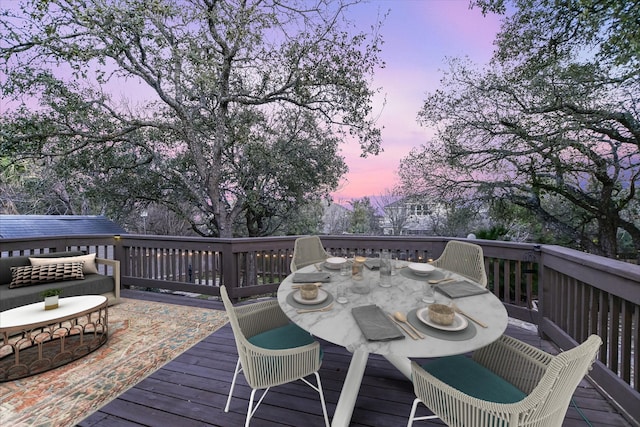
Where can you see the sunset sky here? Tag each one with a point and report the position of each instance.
(418, 35)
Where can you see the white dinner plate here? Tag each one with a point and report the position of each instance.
(459, 322)
(334, 263)
(322, 296)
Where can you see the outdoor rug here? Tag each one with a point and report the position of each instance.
(143, 336)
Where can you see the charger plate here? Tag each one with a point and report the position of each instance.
(293, 303)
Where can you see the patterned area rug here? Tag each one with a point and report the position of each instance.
(143, 336)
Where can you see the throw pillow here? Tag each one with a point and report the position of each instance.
(89, 262)
(34, 274)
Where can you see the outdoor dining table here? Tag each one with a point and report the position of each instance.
(338, 325)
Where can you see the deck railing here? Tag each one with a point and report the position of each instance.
(566, 293)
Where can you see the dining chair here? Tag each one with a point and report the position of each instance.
(463, 258)
(271, 350)
(306, 251)
(507, 383)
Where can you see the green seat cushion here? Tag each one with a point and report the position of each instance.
(473, 379)
(282, 338)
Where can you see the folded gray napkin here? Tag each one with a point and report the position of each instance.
(460, 289)
(311, 277)
(372, 264)
(374, 324)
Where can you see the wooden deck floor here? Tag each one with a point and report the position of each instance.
(191, 390)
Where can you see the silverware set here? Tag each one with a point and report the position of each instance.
(405, 326)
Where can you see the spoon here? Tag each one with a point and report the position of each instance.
(433, 282)
(403, 327)
(402, 318)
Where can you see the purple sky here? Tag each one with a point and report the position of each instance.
(418, 35)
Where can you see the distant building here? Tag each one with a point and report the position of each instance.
(407, 216)
(16, 226)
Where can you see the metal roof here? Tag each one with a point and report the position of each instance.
(14, 226)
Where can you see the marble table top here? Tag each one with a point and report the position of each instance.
(339, 326)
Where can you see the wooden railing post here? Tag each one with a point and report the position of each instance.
(230, 269)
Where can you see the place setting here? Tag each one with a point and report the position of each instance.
(441, 321)
(310, 298)
(335, 263)
(422, 271)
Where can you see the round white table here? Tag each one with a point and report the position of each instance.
(338, 325)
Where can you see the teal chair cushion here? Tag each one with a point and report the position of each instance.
(473, 379)
(284, 337)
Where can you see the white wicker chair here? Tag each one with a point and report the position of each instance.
(306, 251)
(271, 350)
(522, 386)
(463, 258)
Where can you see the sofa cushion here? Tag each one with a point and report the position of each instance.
(34, 274)
(7, 263)
(92, 284)
(89, 266)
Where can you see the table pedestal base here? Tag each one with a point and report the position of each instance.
(402, 364)
(350, 389)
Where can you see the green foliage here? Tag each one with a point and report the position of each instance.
(548, 127)
(50, 293)
(496, 232)
(541, 28)
(235, 115)
(364, 219)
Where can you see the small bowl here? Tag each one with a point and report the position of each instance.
(335, 262)
(441, 314)
(421, 269)
(309, 291)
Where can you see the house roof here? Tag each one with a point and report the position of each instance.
(14, 226)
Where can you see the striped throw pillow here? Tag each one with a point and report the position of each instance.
(34, 274)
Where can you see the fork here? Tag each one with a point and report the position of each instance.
(458, 310)
(313, 310)
(445, 280)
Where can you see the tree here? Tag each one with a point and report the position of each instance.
(247, 102)
(364, 219)
(396, 210)
(336, 219)
(543, 28)
(557, 134)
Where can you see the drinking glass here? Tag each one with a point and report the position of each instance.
(341, 294)
(385, 268)
(427, 293)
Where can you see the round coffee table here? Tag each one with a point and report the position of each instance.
(35, 340)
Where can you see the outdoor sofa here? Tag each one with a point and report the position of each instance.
(31, 280)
